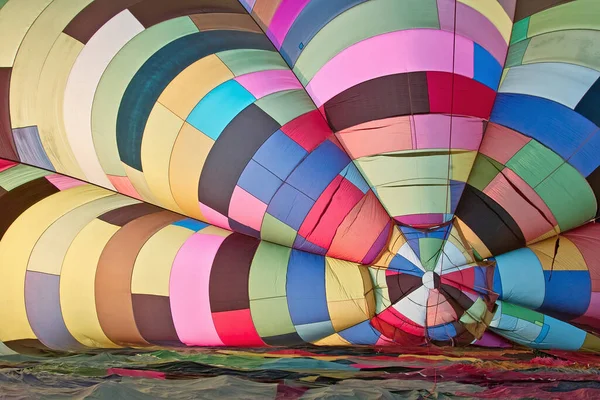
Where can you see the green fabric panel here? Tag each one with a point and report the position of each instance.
(245, 61)
(475, 313)
(114, 82)
(430, 249)
(573, 47)
(273, 230)
(271, 317)
(484, 171)
(582, 14)
(19, 175)
(519, 31)
(521, 312)
(404, 200)
(516, 52)
(286, 106)
(363, 21)
(2, 4)
(569, 197)
(382, 297)
(268, 271)
(534, 163)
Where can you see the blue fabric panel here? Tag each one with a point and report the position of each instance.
(280, 154)
(305, 288)
(362, 333)
(305, 245)
(543, 334)
(568, 293)
(317, 170)
(522, 278)
(259, 182)
(400, 263)
(487, 70)
(456, 190)
(587, 159)
(351, 173)
(562, 335)
(191, 224)
(219, 107)
(30, 148)
(589, 105)
(554, 125)
(480, 280)
(311, 20)
(248, 4)
(315, 331)
(497, 285)
(160, 69)
(290, 206)
(442, 332)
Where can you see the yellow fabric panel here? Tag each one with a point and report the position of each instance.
(31, 57)
(53, 80)
(16, 247)
(401, 200)
(568, 258)
(493, 11)
(158, 141)
(473, 239)
(332, 340)
(461, 165)
(153, 264)
(346, 293)
(49, 251)
(16, 18)
(215, 230)
(138, 181)
(192, 84)
(551, 233)
(187, 160)
(77, 279)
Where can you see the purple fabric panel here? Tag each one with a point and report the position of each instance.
(42, 301)
(283, 19)
(378, 245)
(509, 6)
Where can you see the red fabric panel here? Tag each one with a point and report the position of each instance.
(308, 130)
(7, 143)
(462, 280)
(6, 164)
(471, 98)
(338, 199)
(361, 227)
(235, 328)
(399, 321)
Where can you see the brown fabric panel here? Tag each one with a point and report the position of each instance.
(384, 97)
(264, 10)
(113, 277)
(229, 275)
(125, 215)
(401, 285)
(16, 201)
(96, 14)
(31, 347)
(2, 191)
(152, 12)
(154, 319)
(7, 142)
(525, 8)
(236, 22)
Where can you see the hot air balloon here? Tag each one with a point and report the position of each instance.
(279, 172)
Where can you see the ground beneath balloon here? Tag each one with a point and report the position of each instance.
(303, 373)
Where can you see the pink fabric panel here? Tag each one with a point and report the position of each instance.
(123, 185)
(530, 221)
(6, 164)
(283, 19)
(592, 315)
(420, 219)
(189, 290)
(501, 143)
(388, 54)
(473, 25)
(375, 137)
(214, 217)
(432, 131)
(246, 209)
(63, 182)
(263, 83)
(531, 194)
